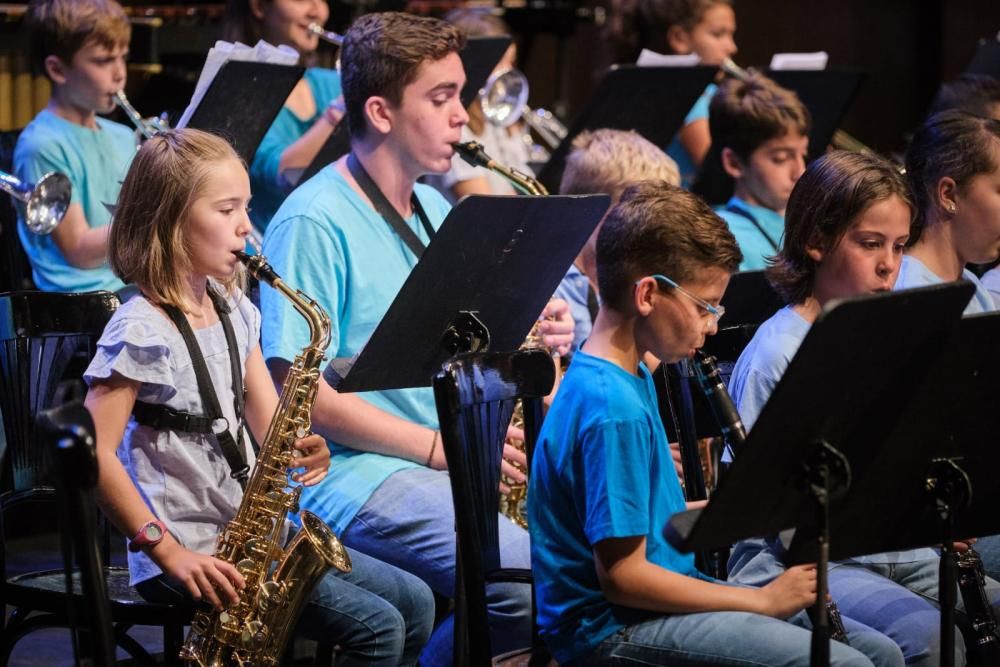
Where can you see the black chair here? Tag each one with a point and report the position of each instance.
(475, 396)
(41, 334)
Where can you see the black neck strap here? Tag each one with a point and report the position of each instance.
(388, 211)
(232, 448)
(760, 228)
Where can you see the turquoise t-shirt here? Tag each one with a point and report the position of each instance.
(602, 468)
(758, 231)
(914, 273)
(95, 161)
(268, 186)
(328, 242)
(675, 150)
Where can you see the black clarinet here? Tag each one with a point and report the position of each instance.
(731, 424)
(983, 646)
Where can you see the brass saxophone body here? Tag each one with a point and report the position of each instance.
(278, 580)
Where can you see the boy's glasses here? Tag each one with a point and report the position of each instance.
(715, 311)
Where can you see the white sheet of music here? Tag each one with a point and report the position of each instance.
(223, 52)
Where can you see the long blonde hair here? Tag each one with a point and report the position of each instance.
(147, 244)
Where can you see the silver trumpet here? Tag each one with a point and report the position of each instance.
(45, 202)
(326, 35)
(504, 99)
(147, 126)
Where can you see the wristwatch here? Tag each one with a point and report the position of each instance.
(150, 534)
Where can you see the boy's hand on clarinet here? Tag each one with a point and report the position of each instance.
(312, 454)
(792, 592)
(205, 577)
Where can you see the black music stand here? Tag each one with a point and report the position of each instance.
(481, 283)
(749, 301)
(826, 93)
(243, 100)
(653, 101)
(823, 429)
(479, 57)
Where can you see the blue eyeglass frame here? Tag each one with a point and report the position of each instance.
(716, 311)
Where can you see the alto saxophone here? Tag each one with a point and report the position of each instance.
(279, 581)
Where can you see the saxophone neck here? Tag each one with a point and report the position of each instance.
(474, 153)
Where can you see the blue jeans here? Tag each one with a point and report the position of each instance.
(376, 614)
(907, 612)
(410, 522)
(735, 638)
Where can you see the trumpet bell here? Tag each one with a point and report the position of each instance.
(504, 97)
(48, 203)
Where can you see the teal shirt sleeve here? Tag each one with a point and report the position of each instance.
(269, 187)
(700, 108)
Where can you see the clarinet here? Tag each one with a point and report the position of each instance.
(728, 417)
(983, 646)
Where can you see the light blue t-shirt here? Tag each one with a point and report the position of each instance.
(268, 186)
(914, 273)
(328, 242)
(991, 281)
(756, 374)
(758, 231)
(602, 469)
(685, 164)
(575, 289)
(95, 161)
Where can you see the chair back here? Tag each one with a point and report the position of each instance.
(40, 333)
(475, 396)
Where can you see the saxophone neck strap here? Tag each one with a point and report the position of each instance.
(388, 212)
(213, 421)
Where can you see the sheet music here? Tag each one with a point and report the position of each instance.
(649, 58)
(800, 61)
(223, 52)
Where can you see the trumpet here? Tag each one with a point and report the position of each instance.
(473, 153)
(504, 99)
(326, 35)
(146, 126)
(45, 202)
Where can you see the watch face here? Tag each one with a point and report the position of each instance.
(152, 532)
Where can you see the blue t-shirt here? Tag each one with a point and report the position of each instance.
(914, 273)
(758, 231)
(991, 281)
(575, 289)
(602, 469)
(95, 161)
(756, 374)
(268, 186)
(675, 150)
(330, 243)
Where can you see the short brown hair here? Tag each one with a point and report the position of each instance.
(147, 243)
(61, 27)
(659, 228)
(745, 113)
(954, 144)
(382, 54)
(833, 191)
(611, 160)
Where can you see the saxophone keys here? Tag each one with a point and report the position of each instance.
(254, 634)
(272, 595)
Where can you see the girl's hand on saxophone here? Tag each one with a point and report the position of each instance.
(313, 456)
(556, 327)
(514, 461)
(205, 577)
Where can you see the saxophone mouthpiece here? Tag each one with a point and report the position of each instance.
(258, 267)
(473, 153)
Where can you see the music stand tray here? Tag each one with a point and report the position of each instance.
(481, 283)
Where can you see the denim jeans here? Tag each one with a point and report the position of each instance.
(734, 638)
(907, 612)
(376, 614)
(410, 522)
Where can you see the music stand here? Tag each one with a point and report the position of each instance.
(260, 89)
(481, 283)
(479, 57)
(749, 301)
(823, 427)
(653, 101)
(826, 93)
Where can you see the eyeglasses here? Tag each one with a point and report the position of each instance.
(715, 311)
